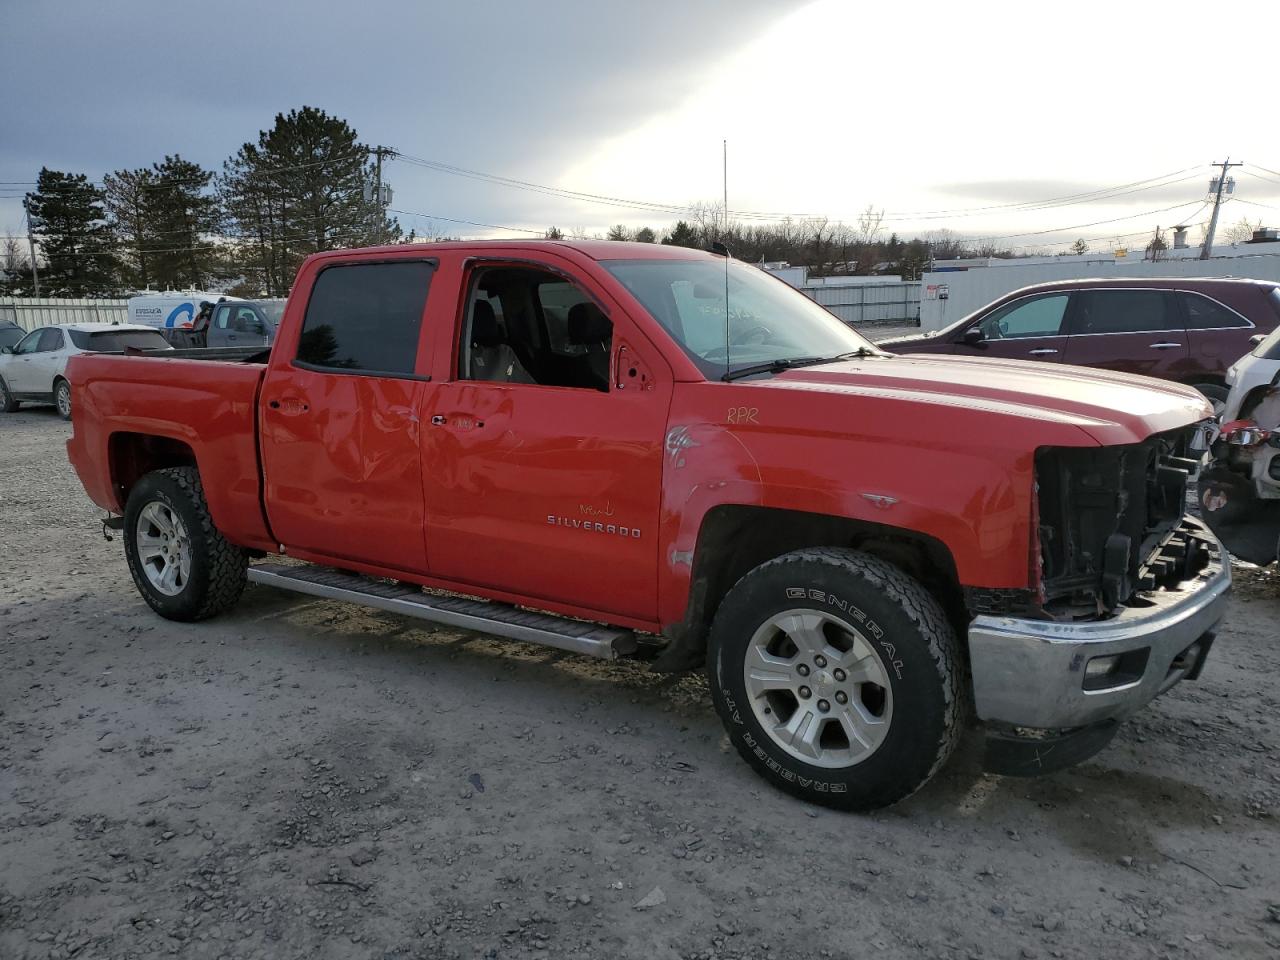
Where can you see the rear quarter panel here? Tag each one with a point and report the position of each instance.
(210, 406)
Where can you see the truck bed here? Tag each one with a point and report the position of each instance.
(202, 408)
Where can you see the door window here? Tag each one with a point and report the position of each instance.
(221, 317)
(28, 343)
(1037, 317)
(247, 321)
(1206, 314)
(50, 340)
(1125, 311)
(366, 318)
(532, 326)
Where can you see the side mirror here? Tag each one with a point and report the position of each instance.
(973, 335)
(6, 349)
(1257, 338)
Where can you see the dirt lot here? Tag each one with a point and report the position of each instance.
(306, 779)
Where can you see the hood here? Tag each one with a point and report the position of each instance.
(903, 343)
(1110, 407)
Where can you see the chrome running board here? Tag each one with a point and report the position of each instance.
(500, 619)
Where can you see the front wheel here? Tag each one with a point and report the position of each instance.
(837, 677)
(181, 564)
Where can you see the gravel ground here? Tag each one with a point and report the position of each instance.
(307, 779)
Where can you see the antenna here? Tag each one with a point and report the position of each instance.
(725, 183)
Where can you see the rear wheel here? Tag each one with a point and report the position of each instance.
(837, 677)
(62, 398)
(7, 403)
(183, 567)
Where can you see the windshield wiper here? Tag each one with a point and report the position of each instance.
(789, 363)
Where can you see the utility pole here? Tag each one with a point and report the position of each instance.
(35, 276)
(379, 153)
(1219, 185)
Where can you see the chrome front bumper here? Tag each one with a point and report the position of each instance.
(1031, 673)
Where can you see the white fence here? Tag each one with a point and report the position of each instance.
(967, 290)
(869, 302)
(32, 312)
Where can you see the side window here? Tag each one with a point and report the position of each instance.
(28, 344)
(50, 339)
(220, 317)
(530, 326)
(1038, 317)
(1125, 311)
(247, 321)
(1206, 314)
(366, 317)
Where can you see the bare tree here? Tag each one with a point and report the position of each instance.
(1241, 232)
(1156, 249)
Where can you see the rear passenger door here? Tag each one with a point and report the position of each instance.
(341, 438)
(1131, 330)
(1217, 335)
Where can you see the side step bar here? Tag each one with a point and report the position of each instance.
(500, 619)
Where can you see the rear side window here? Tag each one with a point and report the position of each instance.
(1206, 314)
(50, 339)
(1124, 311)
(11, 335)
(113, 341)
(366, 318)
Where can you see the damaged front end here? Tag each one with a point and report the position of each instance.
(1112, 524)
(1128, 595)
(1240, 489)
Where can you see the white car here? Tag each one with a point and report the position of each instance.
(1250, 376)
(31, 371)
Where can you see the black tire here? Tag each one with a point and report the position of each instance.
(899, 621)
(1215, 394)
(60, 387)
(7, 403)
(217, 568)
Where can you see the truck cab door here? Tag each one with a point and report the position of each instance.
(341, 456)
(218, 326)
(543, 450)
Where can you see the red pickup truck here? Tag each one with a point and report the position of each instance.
(632, 449)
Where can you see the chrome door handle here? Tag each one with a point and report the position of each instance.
(1165, 346)
(1042, 351)
(439, 421)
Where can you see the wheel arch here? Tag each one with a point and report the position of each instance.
(734, 539)
(131, 456)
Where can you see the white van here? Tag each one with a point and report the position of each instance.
(170, 310)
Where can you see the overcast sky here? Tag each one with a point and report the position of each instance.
(827, 106)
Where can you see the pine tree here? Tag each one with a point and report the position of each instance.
(683, 235)
(182, 217)
(69, 222)
(299, 190)
(127, 196)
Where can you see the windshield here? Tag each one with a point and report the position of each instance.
(768, 320)
(273, 310)
(108, 341)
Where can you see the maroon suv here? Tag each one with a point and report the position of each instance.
(1186, 330)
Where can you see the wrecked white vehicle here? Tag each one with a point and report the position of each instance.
(1240, 488)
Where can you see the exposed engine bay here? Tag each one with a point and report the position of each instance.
(1112, 523)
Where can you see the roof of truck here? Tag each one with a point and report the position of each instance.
(595, 249)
